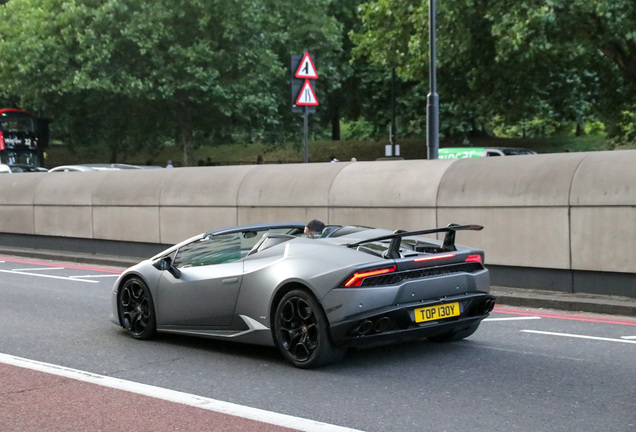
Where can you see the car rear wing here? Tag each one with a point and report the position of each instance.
(396, 238)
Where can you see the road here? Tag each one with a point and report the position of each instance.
(523, 370)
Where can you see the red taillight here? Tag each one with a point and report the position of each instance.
(356, 279)
(434, 257)
(474, 258)
(1, 141)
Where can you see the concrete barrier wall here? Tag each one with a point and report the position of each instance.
(524, 203)
(574, 211)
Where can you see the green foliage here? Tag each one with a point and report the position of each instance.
(135, 72)
(132, 74)
(359, 129)
(509, 60)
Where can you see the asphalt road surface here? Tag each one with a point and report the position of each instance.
(523, 370)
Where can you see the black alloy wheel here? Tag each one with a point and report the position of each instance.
(302, 333)
(136, 309)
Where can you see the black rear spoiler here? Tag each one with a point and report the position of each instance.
(396, 238)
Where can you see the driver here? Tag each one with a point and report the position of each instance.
(314, 228)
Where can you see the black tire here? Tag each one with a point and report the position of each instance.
(136, 309)
(302, 333)
(455, 335)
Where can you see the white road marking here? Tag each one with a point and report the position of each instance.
(37, 268)
(270, 417)
(48, 276)
(628, 337)
(95, 276)
(513, 319)
(579, 336)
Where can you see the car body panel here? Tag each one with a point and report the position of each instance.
(99, 167)
(199, 298)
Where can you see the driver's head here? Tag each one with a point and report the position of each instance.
(314, 228)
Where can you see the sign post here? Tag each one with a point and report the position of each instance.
(303, 96)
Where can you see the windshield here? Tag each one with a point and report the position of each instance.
(517, 151)
(16, 122)
(23, 168)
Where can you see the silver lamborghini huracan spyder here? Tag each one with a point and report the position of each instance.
(311, 297)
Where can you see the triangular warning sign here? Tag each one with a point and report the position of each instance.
(307, 97)
(306, 68)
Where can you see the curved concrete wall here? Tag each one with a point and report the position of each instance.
(574, 211)
(524, 203)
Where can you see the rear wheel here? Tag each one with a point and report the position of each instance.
(136, 309)
(302, 333)
(455, 335)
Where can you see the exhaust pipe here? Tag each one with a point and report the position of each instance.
(381, 324)
(488, 305)
(364, 328)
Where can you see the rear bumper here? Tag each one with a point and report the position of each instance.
(397, 323)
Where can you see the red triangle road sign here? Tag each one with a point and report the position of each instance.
(306, 68)
(307, 97)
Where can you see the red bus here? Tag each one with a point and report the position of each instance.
(19, 138)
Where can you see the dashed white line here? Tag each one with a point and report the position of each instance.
(513, 319)
(628, 337)
(95, 276)
(580, 336)
(37, 268)
(48, 276)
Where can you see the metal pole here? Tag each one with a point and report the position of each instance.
(306, 133)
(393, 115)
(432, 100)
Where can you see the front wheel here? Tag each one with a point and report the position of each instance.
(302, 333)
(136, 309)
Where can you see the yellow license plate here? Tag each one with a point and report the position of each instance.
(432, 313)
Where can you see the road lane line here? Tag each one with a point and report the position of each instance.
(563, 316)
(48, 276)
(579, 336)
(228, 408)
(37, 268)
(628, 337)
(514, 319)
(57, 264)
(94, 276)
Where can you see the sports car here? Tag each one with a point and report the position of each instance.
(313, 298)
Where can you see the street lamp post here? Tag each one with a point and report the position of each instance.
(432, 99)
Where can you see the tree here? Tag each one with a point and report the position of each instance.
(216, 69)
(507, 59)
(595, 39)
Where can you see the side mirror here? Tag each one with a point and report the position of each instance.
(166, 264)
(162, 264)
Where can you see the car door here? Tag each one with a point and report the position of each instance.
(204, 293)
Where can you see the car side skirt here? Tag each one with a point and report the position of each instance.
(255, 333)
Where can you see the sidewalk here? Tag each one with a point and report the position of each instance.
(40, 397)
(575, 302)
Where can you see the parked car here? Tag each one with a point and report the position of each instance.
(471, 152)
(312, 298)
(97, 167)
